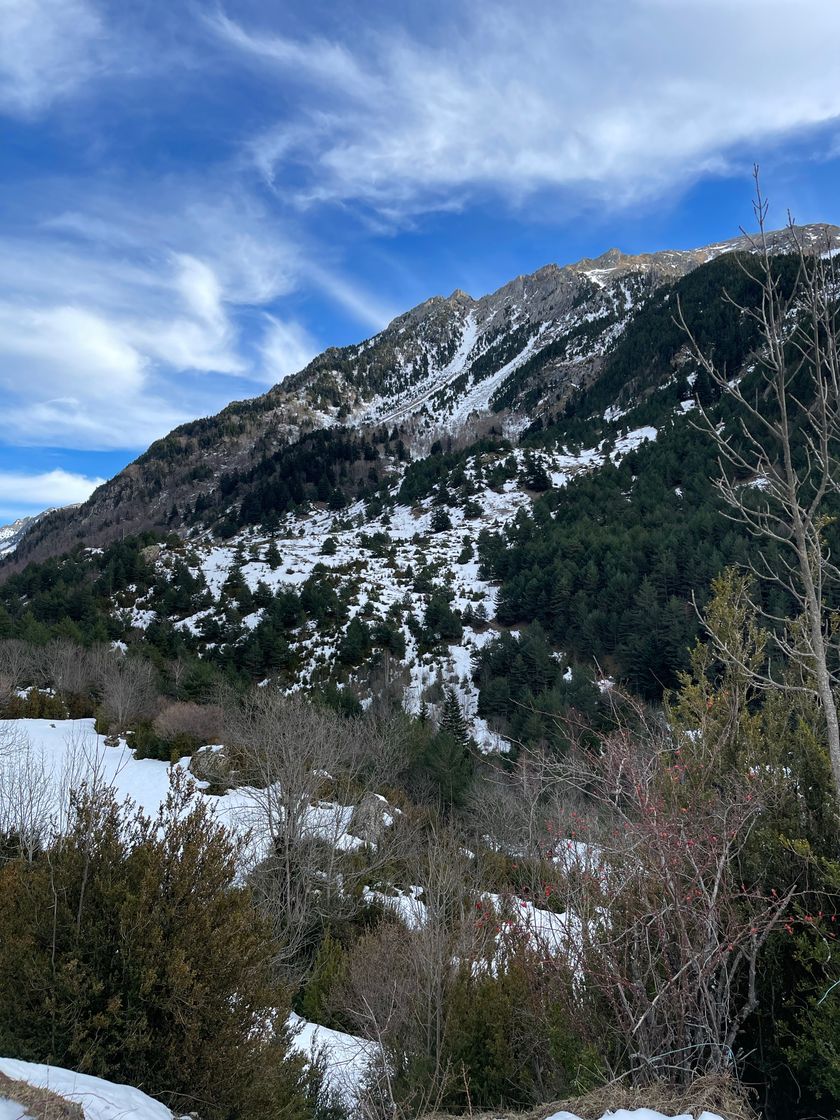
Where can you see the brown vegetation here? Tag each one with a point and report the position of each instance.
(37, 1103)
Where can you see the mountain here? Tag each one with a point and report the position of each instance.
(452, 367)
(12, 535)
(483, 501)
(485, 517)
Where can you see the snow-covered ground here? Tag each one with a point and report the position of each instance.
(12, 535)
(52, 757)
(345, 1057)
(101, 1100)
(380, 578)
(61, 753)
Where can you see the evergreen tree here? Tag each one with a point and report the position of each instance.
(329, 971)
(448, 764)
(355, 645)
(440, 520)
(273, 557)
(452, 719)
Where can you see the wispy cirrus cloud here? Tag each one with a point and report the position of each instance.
(286, 347)
(619, 100)
(233, 195)
(48, 49)
(119, 322)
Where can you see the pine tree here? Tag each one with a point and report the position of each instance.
(440, 520)
(328, 972)
(452, 719)
(356, 643)
(273, 557)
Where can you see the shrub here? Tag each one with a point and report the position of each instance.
(127, 951)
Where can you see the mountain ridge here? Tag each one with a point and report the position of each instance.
(449, 368)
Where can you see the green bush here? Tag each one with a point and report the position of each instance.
(508, 1041)
(128, 951)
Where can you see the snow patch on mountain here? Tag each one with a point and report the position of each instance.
(11, 535)
(388, 564)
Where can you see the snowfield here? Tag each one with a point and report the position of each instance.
(345, 1058)
(58, 755)
(381, 579)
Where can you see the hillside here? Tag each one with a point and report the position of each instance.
(12, 535)
(566, 521)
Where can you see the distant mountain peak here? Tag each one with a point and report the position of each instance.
(11, 535)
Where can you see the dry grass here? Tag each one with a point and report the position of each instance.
(720, 1095)
(40, 1104)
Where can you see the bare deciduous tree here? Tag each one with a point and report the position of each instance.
(780, 466)
(399, 981)
(306, 769)
(15, 667)
(36, 797)
(25, 796)
(670, 921)
(128, 689)
(67, 667)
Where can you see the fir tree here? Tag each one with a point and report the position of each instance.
(452, 719)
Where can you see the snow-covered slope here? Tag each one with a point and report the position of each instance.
(53, 757)
(345, 1058)
(11, 535)
(388, 567)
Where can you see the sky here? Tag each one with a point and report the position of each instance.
(198, 197)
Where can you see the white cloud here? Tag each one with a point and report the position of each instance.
(161, 293)
(618, 100)
(286, 349)
(48, 48)
(362, 304)
(51, 488)
(110, 425)
(320, 59)
(200, 288)
(61, 348)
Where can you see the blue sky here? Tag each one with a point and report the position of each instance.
(195, 198)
